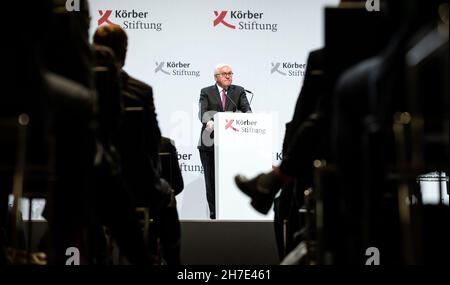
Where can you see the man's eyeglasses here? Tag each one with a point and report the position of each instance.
(225, 74)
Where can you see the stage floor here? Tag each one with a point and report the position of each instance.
(228, 243)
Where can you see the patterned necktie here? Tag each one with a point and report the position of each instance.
(224, 99)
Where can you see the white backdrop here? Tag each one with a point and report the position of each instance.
(175, 44)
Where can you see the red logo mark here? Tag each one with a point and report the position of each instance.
(220, 19)
(104, 17)
(229, 125)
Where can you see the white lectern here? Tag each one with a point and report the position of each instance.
(242, 145)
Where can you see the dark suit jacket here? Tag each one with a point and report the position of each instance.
(138, 141)
(170, 169)
(211, 103)
(312, 90)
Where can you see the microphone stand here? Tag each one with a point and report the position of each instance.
(248, 91)
(231, 100)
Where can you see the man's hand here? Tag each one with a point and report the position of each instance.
(210, 126)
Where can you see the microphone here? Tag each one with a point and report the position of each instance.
(248, 91)
(229, 98)
(250, 103)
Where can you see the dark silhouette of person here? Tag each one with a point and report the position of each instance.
(170, 169)
(67, 44)
(287, 220)
(114, 202)
(139, 137)
(369, 137)
(26, 81)
(60, 137)
(167, 222)
(220, 97)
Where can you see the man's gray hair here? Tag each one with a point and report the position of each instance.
(219, 66)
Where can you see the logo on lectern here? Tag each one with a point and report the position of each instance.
(229, 124)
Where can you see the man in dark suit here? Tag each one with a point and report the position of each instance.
(170, 169)
(220, 97)
(167, 223)
(139, 138)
